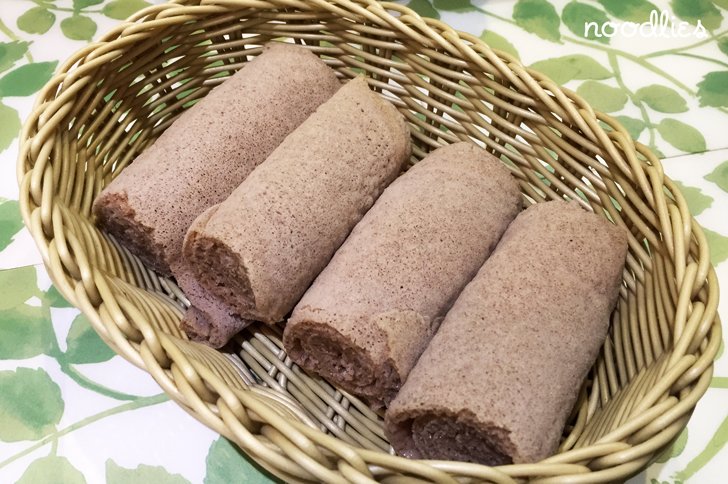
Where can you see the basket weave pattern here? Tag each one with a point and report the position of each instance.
(114, 97)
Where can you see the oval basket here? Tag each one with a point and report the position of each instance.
(114, 97)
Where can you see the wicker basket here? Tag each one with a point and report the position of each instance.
(114, 97)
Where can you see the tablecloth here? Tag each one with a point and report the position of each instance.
(73, 412)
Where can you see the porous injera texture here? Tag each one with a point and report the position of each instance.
(500, 377)
(372, 311)
(209, 150)
(265, 244)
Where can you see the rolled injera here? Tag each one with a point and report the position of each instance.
(209, 150)
(500, 377)
(262, 247)
(208, 320)
(372, 311)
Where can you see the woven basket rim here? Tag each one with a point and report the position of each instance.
(609, 459)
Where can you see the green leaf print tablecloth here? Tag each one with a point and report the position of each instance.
(73, 412)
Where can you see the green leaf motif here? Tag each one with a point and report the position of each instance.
(142, 474)
(25, 332)
(26, 79)
(716, 443)
(713, 89)
(37, 20)
(454, 5)
(723, 44)
(81, 4)
(84, 345)
(679, 446)
(633, 126)
(681, 135)
(602, 97)
(576, 66)
(122, 9)
(637, 11)
(9, 130)
(10, 220)
(78, 27)
(10, 52)
(577, 16)
(18, 285)
(538, 17)
(718, 244)
(424, 8)
(697, 201)
(659, 154)
(662, 99)
(54, 299)
(693, 11)
(20, 420)
(499, 42)
(676, 448)
(719, 176)
(225, 464)
(52, 469)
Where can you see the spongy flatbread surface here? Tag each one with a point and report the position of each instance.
(371, 312)
(511, 354)
(210, 149)
(266, 243)
(208, 320)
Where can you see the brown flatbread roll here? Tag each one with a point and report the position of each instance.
(209, 320)
(261, 248)
(209, 150)
(371, 312)
(498, 380)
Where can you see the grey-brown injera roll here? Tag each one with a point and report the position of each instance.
(371, 312)
(208, 320)
(500, 377)
(209, 150)
(263, 246)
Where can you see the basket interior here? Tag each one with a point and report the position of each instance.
(116, 99)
